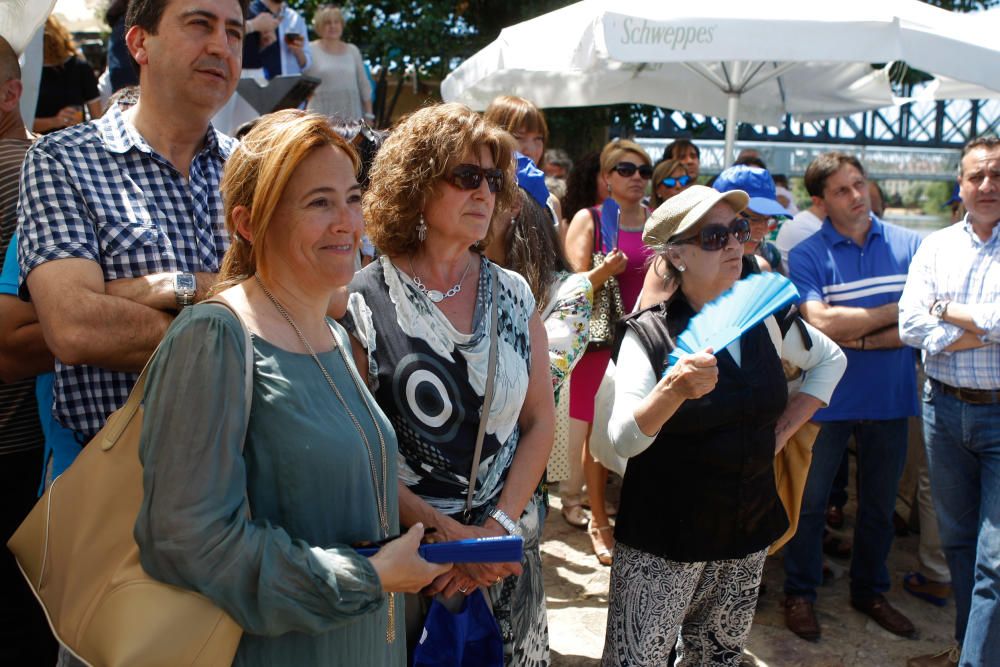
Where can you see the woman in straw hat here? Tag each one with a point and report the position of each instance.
(698, 505)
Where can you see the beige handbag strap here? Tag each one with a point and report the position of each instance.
(124, 417)
(491, 373)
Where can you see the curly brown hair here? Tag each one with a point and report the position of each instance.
(421, 149)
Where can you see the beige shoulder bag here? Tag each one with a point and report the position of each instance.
(78, 554)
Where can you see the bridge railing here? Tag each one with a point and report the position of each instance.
(915, 140)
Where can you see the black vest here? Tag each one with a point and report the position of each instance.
(704, 490)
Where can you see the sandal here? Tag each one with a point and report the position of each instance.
(601, 550)
(609, 509)
(574, 514)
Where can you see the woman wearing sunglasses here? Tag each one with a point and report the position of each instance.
(670, 177)
(421, 318)
(625, 172)
(699, 506)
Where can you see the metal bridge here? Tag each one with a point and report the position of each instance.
(915, 141)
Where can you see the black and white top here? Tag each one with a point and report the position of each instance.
(430, 378)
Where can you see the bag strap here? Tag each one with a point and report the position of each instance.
(124, 416)
(487, 394)
(595, 214)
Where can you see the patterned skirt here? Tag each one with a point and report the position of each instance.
(709, 605)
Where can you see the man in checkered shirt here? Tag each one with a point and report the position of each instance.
(120, 219)
(950, 308)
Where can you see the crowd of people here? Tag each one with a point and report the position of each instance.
(441, 391)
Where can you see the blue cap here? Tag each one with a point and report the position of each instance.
(955, 197)
(532, 179)
(757, 183)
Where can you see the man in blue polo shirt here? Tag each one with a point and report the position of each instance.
(850, 275)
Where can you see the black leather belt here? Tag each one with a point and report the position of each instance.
(974, 396)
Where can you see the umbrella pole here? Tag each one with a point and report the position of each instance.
(731, 125)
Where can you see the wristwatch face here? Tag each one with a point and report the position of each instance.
(185, 287)
(939, 308)
(185, 283)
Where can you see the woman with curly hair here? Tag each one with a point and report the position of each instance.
(423, 317)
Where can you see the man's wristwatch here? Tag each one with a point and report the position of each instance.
(185, 286)
(508, 524)
(939, 308)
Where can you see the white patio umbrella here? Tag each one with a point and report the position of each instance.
(744, 61)
(978, 28)
(19, 19)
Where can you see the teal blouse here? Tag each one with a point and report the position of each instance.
(286, 575)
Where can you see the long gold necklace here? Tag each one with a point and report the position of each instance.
(381, 499)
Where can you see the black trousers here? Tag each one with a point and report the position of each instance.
(25, 638)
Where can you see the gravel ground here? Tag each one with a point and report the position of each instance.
(577, 586)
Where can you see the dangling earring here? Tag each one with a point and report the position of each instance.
(422, 229)
(609, 189)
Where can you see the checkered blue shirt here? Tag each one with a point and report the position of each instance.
(99, 192)
(954, 263)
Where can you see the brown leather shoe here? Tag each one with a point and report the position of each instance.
(800, 618)
(946, 658)
(883, 613)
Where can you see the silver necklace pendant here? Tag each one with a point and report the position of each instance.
(437, 296)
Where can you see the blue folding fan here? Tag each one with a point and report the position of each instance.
(610, 219)
(736, 311)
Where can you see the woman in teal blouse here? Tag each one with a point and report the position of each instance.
(262, 524)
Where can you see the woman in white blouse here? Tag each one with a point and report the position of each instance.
(344, 90)
(699, 506)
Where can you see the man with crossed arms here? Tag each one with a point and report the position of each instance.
(850, 275)
(950, 309)
(120, 219)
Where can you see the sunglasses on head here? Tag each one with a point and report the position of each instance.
(715, 237)
(628, 169)
(470, 177)
(674, 182)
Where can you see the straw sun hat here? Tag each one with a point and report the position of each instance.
(685, 210)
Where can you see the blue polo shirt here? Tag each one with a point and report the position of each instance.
(830, 267)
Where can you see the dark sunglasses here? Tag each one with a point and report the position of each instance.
(674, 182)
(470, 177)
(715, 237)
(628, 169)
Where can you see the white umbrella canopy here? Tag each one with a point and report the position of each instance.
(750, 62)
(979, 28)
(19, 19)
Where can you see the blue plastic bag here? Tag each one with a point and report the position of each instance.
(467, 638)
